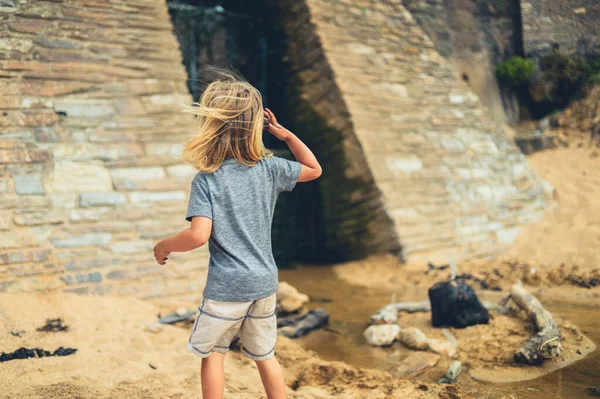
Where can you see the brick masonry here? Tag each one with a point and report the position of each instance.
(573, 25)
(90, 133)
(91, 130)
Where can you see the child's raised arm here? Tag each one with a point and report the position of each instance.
(311, 169)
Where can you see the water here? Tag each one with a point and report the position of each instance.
(351, 306)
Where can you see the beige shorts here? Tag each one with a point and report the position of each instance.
(217, 323)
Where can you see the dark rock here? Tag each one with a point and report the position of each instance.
(455, 304)
(296, 327)
(594, 391)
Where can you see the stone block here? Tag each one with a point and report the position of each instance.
(71, 279)
(5, 186)
(28, 184)
(46, 135)
(25, 237)
(133, 274)
(5, 220)
(15, 45)
(63, 200)
(69, 176)
(508, 236)
(132, 247)
(84, 240)
(88, 215)
(24, 256)
(101, 199)
(84, 108)
(136, 174)
(23, 156)
(102, 289)
(29, 25)
(25, 218)
(404, 164)
(184, 170)
(168, 149)
(151, 196)
(93, 263)
(453, 145)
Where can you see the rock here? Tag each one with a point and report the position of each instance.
(453, 372)
(594, 391)
(289, 298)
(381, 335)
(415, 364)
(455, 304)
(413, 338)
(441, 346)
(69, 176)
(296, 327)
(29, 184)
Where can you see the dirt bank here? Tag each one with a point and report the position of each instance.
(117, 358)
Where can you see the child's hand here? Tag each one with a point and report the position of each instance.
(160, 254)
(275, 128)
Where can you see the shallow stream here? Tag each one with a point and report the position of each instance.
(351, 306)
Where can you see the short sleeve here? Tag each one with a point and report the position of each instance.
(286, 173)
(199, 204)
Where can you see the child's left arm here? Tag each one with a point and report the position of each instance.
(194, 237)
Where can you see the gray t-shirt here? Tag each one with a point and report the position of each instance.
(240, 201)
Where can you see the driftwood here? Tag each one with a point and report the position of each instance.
(547, 343)
(389, 313)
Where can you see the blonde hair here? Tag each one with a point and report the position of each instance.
(230, 125)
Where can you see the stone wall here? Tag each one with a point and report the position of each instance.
(452, 183)
(90, 133)
(573, 25)
(475, 35)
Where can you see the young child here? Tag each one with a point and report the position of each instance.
(231, 207)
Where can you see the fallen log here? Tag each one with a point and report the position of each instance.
(547, 343)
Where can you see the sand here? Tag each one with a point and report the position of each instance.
(557, 258)
(115, 354)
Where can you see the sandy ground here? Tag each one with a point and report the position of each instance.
(114, 354)
(557, 258)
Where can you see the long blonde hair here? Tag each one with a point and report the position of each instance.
(230, 125)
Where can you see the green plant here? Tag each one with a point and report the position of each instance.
(563, 76)
(515, 72)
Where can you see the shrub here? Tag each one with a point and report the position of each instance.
(515, 72)
(563, 76)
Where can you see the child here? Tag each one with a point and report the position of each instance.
(231, 207)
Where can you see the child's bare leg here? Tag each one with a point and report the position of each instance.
(272, 378)
(213, 376)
